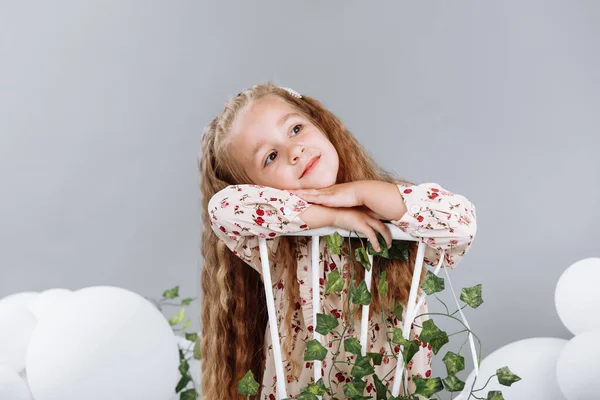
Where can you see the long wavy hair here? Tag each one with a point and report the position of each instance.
(232, 343)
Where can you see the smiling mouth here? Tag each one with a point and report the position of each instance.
(311, 163)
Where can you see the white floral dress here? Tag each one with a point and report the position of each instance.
(242, 213)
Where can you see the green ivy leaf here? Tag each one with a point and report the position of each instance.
(355, 389)
(184, 367)
(472, 296)
(454, 363)
(248, 385)
(183, 382)
(362, 367)
(325, 323)
(190, 394)
(411, 347)
(315, 351)
(197, 354)
(361, 256)
(398, 310)
(453, 384)
(317, 388)
(382, 244)
(427, 386)
(307, 396)
(433, 335)
(192, 337)
(505, 377)
(399, 250)
(186, 325)
(334, 242)
(432, 283)
(376, 357)
(351, 345)
(383, 285)
(187, 301)
(494, 395)
(380, 388)
(177, 319)
(361, 295)
(171, 293)
(335, 282)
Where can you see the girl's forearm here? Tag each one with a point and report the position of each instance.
(383, 198)
(318, 216)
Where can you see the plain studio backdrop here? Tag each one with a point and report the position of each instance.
(102, 106)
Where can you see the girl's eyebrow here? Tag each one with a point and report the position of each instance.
(279, 123)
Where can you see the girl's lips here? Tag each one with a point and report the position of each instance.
(312, 166)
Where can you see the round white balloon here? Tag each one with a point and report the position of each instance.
(16, 326)
(49, 300)
(577, 296)
(533, 360)
(108, 343)
(12, 386)
(578, 367)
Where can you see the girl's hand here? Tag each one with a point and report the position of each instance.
(358, 220)
(339, 195)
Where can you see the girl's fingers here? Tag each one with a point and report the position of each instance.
(372, 237)
(383, 229)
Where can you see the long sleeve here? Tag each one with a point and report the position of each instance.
(440, 219)
(240, 214)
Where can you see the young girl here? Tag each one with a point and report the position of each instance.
(275, 163)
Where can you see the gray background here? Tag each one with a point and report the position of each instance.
(102, 105)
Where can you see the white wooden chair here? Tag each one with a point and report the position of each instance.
(413, 303)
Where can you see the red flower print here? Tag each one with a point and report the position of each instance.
(273, 199)
(428, 373)
(279, 285)
(407, 191)
(336, 313)
(260, 212)
(272, 234)
(435, 190)
(420, 218)
(304, 226)
(272, 397)
(428, 347)
(236, 232)
(386, 360)
(321, 281)
(396, 349)
(222, 229)
(433, 196)
(259, 221)
(370, 388)
(340, 377)
(310, 328)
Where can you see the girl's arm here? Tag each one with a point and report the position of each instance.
(239, 214)
(439, 218)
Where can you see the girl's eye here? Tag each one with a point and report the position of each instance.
(295, 126)
(273, 153)
(269, 158)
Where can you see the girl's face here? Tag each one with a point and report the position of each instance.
(275, 145)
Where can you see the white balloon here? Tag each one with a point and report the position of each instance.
(533, 360)
(578, 367)
(12, 386)
(108, 343)
(577, 296)
(49, 300)
(16, 326)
